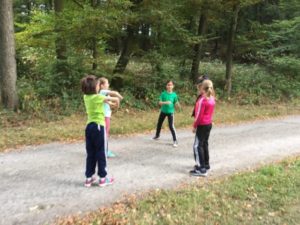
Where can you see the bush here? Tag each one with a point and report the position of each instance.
(288, 66)
(41, 88)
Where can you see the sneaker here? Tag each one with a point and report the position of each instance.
(89, 181)
(110, 154)
(105, 181)
(155, 138)
(198, 173)
(207, 167)
(175, 144)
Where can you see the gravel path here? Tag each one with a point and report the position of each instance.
(44, 182)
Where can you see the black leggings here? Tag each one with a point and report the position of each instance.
(161, 119)
(95, 149)
(201, 153)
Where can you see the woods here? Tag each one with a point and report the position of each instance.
(138, 44)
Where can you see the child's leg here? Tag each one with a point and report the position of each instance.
(160, 121)
(109, 153)
(195, 150)
(100, 151)
(90, 150)
(200, 150)
(107, 126)
(171, 126)
(206, 133)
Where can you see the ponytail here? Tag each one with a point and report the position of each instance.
(209, 91)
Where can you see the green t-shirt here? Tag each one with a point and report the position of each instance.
(166, 96)
(94, 108)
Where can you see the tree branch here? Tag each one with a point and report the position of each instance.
(78, 3)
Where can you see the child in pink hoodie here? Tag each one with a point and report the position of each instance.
(204, 109)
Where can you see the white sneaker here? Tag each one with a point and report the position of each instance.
(106, 181)
(175, 144)
(90, 181)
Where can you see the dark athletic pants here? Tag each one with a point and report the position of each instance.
(161, 119)
(95, 149)
(201, 153)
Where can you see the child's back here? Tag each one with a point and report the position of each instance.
(94, 132)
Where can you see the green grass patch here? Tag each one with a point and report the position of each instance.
(270, 195)
(19, 130)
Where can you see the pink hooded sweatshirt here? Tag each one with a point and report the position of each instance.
(204, 110)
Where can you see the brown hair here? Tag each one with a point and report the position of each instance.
(202, 78)
(89, 84)
(208, 88)
(169, 82)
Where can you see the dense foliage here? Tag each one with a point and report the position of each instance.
(139, 44)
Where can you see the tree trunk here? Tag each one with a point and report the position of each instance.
(94, 3)
(216, 47)
(50, 4)
(28, 3)
(182, 68)
(126, 51)
(95, 54)
(230, 45)
(60, 43)
(197, 48)
(128, 43)
(118, 81)
(8, 68)
(145, 42)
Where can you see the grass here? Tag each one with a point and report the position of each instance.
(270, 195)
(20, 130)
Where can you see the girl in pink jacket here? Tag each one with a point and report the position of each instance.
(204, 109)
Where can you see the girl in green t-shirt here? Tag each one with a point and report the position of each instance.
(167, 100)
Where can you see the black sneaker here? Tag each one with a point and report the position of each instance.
(207, 167)
(198, 173)
(155, 138)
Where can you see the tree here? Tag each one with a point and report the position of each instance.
(197, 47)
(236, 6)
(60, 43)
(8, 70)
(230, 42)
(95, 53)
(129, 40)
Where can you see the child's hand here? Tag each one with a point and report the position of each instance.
(114, 105)
(194, 130)
(178, 106)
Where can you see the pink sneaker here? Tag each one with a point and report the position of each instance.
(106, 181)
(89, 181)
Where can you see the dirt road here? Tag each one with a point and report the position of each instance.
(46, 181)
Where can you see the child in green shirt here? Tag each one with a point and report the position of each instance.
(167, 100)
(95, 131)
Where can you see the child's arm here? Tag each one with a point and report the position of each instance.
(113, 105)
(198, 109)
(115, 101)
(178, 106)
(115, 94)
(164, 103)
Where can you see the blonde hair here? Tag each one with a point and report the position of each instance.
(208, 88)
(102, 80)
